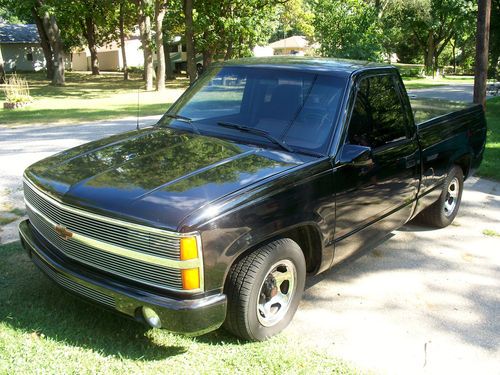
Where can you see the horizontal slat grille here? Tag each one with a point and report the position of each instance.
(74, 286)
(149, 243)
(132, 269)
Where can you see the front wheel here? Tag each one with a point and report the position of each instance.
(264, 289)
(443, 211)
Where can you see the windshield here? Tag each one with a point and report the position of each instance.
(296, 108)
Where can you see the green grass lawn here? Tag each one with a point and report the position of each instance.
(490, 166)
(424, 83)
(44, 329)
(87, 98)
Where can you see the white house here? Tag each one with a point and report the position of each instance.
(294, 45)
(20, 48)
(110, 56)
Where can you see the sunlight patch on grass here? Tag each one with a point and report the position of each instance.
(490, 167)
(87, 98)
(491, 233)
(413, 83)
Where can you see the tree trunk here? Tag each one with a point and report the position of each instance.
(188, 19)
(169, 71)
(54, 36)
(207, 59)
(482, 45)
(122, 40)
(44, 42)
(429, 55)
(229, 51)
(2, 70)
(207, 53)
(145, 31)
(160, 10)
(437, 73)
(94, 60)
(454, 53)
(494, 64)
(89, 28)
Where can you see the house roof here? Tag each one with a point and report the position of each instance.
(10, 33)
(296, 41)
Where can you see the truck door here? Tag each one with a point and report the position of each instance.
(376, 174)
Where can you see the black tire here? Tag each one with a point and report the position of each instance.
(439, 214)
(251, 281)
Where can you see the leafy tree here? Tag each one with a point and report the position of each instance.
(189, 35)
(144, 13)
(126, 20)
(225, 29)
(295, 17)
(348, 29)
(15, 12)
(432, 23)
(173, 26)
(45, 15)
(482, 47)
(160, 11)
(494, 38)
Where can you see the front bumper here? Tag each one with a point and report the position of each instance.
(188, 316)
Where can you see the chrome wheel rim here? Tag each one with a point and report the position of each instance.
(276, 293)
(451, 197)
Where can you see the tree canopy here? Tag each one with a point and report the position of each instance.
(432, 32)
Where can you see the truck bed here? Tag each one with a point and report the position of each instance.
(426, 109)
(448, 131)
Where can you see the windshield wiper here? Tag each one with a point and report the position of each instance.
(262, 133)
(179, 117)
(184, 119)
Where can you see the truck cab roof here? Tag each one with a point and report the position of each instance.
(333, 66)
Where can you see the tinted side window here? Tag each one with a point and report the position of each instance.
(378, 116)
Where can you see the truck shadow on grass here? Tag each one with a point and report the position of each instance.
(33, 304)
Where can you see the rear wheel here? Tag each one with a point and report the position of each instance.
(445, 209)
(264, 290)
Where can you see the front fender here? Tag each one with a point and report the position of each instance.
(302, 198)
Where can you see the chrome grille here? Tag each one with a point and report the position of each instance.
(149, 243)
(132, 269)
(67, 283)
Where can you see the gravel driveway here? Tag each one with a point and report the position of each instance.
(458, 93)
(423, 301)
(461, 92)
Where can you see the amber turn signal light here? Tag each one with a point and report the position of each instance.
(189, 248)
(190, 278)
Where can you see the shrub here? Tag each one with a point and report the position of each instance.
(17, 90)
(411, 70)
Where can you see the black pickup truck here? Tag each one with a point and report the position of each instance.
(264, 171)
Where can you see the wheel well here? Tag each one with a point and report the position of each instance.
(308, 239)
(464, 163)
(306, 236)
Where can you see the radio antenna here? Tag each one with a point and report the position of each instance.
(138, 113)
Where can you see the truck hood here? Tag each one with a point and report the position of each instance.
(155, 175)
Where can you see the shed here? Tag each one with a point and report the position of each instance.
(20, 48)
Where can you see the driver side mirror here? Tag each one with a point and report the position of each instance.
(356, 155)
